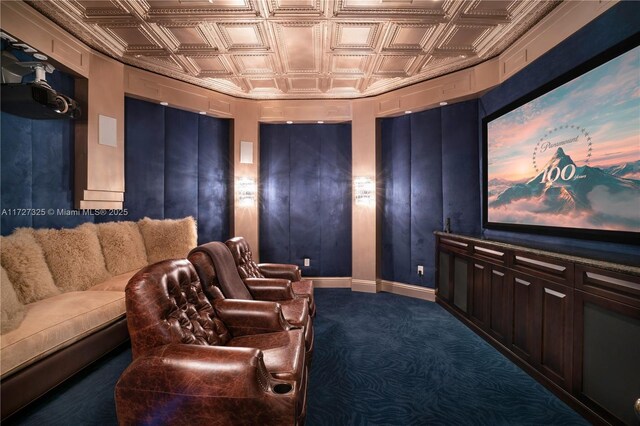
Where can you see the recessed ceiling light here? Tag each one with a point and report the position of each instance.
(463, 56)
(40, 56)
(202, 113)
(320, 122)
(289, 122)
(443, 103)
(408, 112)
(163, 103)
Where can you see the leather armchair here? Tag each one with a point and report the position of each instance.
(220, 280)
(235, 362)
(247, 269)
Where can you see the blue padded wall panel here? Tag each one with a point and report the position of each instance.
(53, 173)
(305, 208)
(274, 193)
(426, 193)
(37, 167)
(304, 187)
(335, 201)
(180, 164)
(460, 172)
(609, 29)
(177, 165)
(396, 175)
(411, 175)
(144, 159)
(213, 179)
(16, 171)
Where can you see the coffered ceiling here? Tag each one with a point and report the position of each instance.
(292, 49)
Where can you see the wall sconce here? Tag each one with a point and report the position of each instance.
(364, 191)
(246, 190)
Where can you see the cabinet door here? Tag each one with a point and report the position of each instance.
(524, 336)
(606, 367)
(479, 294)
(444, 275)
(556, 343)
(499, 296)
(460, 282)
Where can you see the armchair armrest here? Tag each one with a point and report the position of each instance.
(270, 288)
(243, 317)
(280, 270)
(180, 383)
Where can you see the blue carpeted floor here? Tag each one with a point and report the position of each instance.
(380, 359)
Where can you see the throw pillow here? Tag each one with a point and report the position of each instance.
(11, 309)
(168, 238)
(122, 246)
(23, 259)
(74, 256)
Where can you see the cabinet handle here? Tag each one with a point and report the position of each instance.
(479, 266)
(498, 273)
(456, 243)
(489, 251)
(523, 282)
(541, 263)
(554, 293)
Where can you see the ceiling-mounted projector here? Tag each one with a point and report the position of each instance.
(37, 100)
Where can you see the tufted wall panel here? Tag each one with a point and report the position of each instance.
(305, 196)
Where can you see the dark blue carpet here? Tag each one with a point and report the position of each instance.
(380, 359)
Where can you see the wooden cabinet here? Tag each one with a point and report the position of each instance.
(607, 351)
(574, 326)
(555, 342)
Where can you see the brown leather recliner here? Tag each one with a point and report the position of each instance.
(219, 277)
(235, 363)
(249, 270)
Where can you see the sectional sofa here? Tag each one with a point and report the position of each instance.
(63, 301)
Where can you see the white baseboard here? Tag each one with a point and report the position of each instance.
(330, 282)
(414, 291)
(369, 286)
(366, 286)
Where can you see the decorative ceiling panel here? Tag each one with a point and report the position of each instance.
(254, 64)
(360, 35)
(299, 44)
(279, 49)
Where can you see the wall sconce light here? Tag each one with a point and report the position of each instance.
(246, 190)
(364, 190)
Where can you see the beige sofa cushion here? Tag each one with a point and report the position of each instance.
(57, 322)
(10, 307)
(115, 283)
(122, 246)
(74, 256)
(24, 261)
(168, 238)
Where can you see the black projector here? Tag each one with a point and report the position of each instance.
(37, 101)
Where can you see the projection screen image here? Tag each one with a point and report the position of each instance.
(571, 157)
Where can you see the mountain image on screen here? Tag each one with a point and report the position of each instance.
(578, 189)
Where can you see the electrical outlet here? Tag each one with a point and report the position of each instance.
(420, 270)
(307, 261)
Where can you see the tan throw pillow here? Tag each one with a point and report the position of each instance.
(122, 246)
(11, 309)
(23, 259)
(168, 238)
(74, 256)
